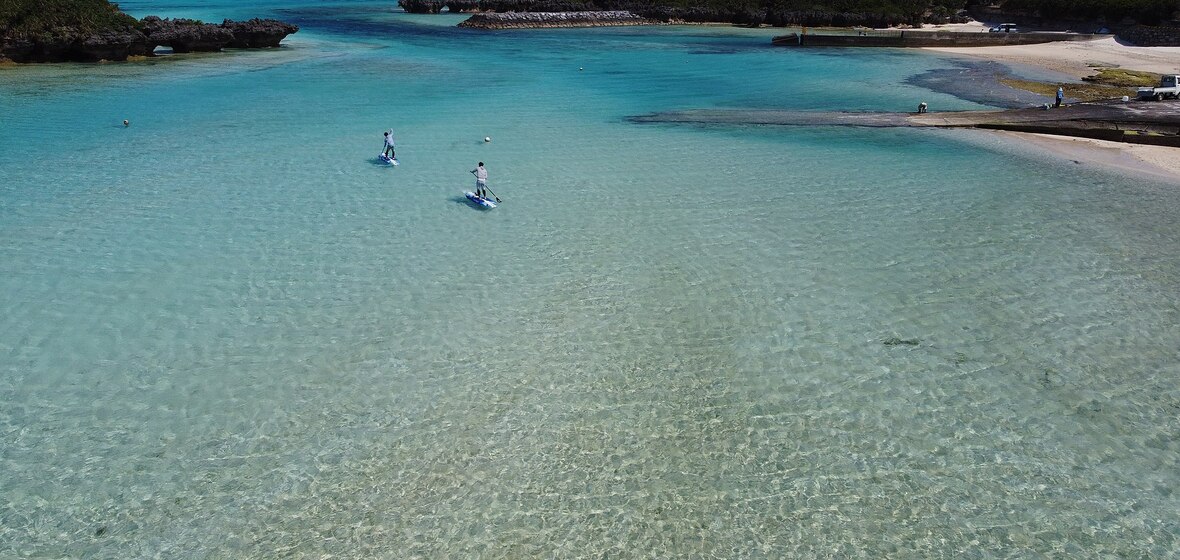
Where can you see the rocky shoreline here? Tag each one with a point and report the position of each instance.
(657, 13)
(532, 20)
(1132, 122)
(903, 38)
(181, 35)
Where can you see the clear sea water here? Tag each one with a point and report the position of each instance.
(226, 332)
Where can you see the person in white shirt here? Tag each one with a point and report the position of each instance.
(481, 181)
(389, 145)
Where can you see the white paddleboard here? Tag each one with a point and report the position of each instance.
(485, 202)
(388, 159)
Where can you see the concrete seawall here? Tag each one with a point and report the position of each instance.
(1134, 122)
(915, 38)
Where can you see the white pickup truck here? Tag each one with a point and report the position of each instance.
(1169, 88)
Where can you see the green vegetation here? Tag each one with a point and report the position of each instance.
(904, 10)
(1108, 83)
(36, 18)
(831, 6)
(1124, 78)
(1148, 12)
(32, 18)
(843, 13)
(1082, 92)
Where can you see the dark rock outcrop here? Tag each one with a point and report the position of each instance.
(112, 45)
(258, 33)
(463, 5)
(66, 45)
(16, 49)
(421, 6)
(181, 35)
(186, 35)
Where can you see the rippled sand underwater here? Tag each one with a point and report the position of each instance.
(225, 331)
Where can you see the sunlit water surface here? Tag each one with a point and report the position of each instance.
(227, 331)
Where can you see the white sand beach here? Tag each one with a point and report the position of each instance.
(1080, 59)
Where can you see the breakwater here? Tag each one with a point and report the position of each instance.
(529, 20)
(1131, 122)
(916, 38)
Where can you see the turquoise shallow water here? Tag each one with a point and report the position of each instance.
(226, 332)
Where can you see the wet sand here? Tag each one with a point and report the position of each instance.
(1157, 162)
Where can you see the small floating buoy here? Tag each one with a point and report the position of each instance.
(126, 122)
(579, 69)
(487, 138)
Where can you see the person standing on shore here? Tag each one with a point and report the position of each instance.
(1060, 96)
(481, 180)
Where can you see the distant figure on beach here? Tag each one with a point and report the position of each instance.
(1060, 96)
(389, 151)
(481, 180)
(922, 107)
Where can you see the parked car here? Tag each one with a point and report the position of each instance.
(1003, 28)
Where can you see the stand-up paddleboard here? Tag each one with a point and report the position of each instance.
(485, 202)
(387, 159)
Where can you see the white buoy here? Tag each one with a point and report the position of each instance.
(487, 138)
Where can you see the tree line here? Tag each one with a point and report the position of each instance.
(37, 17)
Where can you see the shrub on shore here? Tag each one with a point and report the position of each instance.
(41, 18)
(95, 30)
(1108, 83)
(1119, 77)
(1148, 12)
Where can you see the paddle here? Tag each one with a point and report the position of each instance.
(492, 193)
